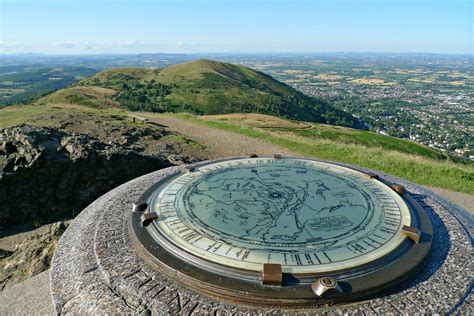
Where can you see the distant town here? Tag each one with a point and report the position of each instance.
(440, 125)
(427, 99)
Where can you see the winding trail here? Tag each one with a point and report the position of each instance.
(219, 143)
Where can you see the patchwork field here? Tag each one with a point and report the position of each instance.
(374, 81)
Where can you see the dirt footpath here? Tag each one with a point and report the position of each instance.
(220, 143)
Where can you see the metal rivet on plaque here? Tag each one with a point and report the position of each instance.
(325, 286)
(139, 207)
(147, 218)
(272, 274)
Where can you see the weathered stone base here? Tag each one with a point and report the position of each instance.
(95, 268)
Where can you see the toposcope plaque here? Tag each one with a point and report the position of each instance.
(280, 231)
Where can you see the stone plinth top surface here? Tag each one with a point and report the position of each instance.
(95, 268)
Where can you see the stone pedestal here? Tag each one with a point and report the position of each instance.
(95, 268)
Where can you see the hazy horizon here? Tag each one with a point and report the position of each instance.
(315, 53)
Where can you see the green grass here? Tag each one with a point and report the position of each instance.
(16, 115)
(370, 139)
(44, 115)
(411, 166)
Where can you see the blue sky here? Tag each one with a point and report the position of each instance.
(180, 26)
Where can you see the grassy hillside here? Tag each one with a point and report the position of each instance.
(90, 96)
(402, 158)
(202, 87)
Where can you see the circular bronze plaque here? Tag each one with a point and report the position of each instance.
(284, 230)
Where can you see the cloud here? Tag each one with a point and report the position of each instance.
(131, 43)
(9, 44)
(97, 46)
(112, 46)
(73, 45)
(187, 45)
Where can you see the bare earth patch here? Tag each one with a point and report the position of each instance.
(218, 143)
(256, 120)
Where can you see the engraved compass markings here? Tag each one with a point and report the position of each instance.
(305, 215)
(296, 220)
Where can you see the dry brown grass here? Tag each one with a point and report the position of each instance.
(328, 77)
(255, 120)
(453, 83)
(96, 91)
(374, 81)
(85, 95)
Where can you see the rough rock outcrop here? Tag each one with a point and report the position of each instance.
(31, 256)
(51, 173)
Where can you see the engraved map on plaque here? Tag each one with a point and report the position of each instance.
(306, 215)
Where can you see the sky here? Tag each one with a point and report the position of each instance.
(232, 26)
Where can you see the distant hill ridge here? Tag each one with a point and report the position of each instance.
(200, 87)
